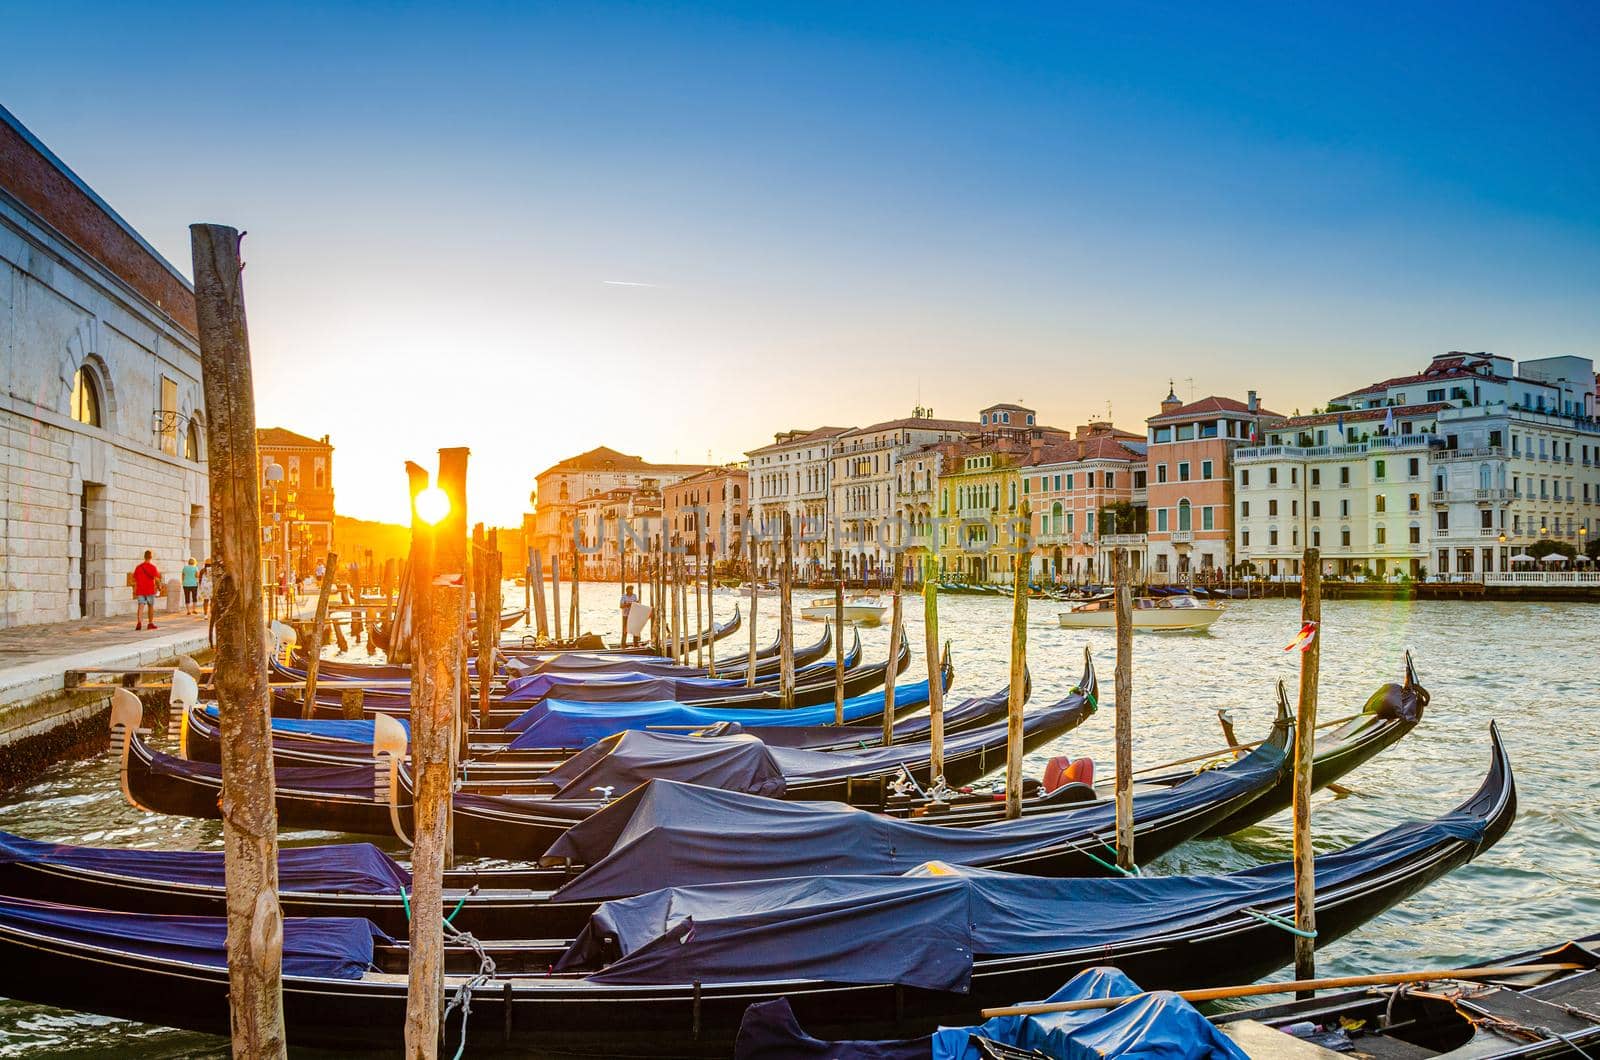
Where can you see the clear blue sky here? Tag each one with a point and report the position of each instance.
(839, 207)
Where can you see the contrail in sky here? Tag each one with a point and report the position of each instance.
(627, 283)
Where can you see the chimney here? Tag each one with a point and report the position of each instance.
(1253, 403)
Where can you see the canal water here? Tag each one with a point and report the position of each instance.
(1532, 667)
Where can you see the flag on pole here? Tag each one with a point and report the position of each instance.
(1388, 421)
(1341, 425)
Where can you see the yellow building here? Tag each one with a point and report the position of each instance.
(978, 511)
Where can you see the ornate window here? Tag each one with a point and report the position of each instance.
(191, 442)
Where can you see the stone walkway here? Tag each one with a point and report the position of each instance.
(33, 659)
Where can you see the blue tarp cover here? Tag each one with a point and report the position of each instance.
(319, 947)
(358, 730)
(924, 928)
(344, 868)
(978, 709)
(1159, 1025)
(560, 723)
(672, 833)
(630, 759)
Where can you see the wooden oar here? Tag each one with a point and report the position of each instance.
(1219, 993)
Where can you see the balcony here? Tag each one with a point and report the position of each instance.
(1491, 496)
(1479, 453)
(1125, 540)
(1181, 537)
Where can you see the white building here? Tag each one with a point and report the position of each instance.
(1494, 458)
(865, 479)
(562, 492)
(792, 476)
(1506, 479)
(102, 455)
(1354, 485)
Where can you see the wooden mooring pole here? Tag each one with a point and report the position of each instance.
(1121, 578)
(435, 697)
(750, 664)
(1019, 668)
(318, 626)
(896, 631)
(711, 616)
(249, 808)
(555, 588)
(838, 637)
(786, 618)
(694, 577)
(1305, 727)
(930, 647)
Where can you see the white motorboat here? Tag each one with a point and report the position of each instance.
(1166, 613)
(862, 610)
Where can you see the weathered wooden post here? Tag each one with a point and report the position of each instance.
(435, 695)
(711, 617)
(896, 631)
(1305, 729)
(488, 636)
(577, 581)
(555, 586)
(930, 646)
(314, 649)
(699, 619)
(786, 618)
(249, 809)
(536, 579)
(838, 637)
(622, 581)
(1019, 668)
(1124, 701)
(750, 664)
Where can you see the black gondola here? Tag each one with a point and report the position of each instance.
(1389, 713)
(48, 957)
(518, 903)
(339, 795)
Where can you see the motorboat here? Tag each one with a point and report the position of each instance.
(862, 610)
(1179, 612)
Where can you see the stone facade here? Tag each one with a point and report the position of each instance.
(82, 297)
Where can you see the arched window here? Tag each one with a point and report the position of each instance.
(1184, 515)
(1055, 518)
(85, 397)
(191, 443)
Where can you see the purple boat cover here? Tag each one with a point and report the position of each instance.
(925, 928)
(671, 833)
(345, 868)
(318, 780)
(629, 759)
(313, 947)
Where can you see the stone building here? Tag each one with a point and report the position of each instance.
(706, 512)
(562, 491)
(793, 476)
(296, 505)
(102, 420)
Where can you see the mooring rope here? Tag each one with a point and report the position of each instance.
(463, 994)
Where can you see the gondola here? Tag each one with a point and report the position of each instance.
(662, 832)
(1554, 1013)
(818, 688)
(341, 796)
(393, 684)
(1390, 712)
(591, 643)
(326, 741)
(862, 956)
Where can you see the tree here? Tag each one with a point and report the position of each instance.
(1541, 549)
(1592, 550)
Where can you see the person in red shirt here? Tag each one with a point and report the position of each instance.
(146, 583)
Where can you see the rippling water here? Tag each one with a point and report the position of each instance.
(1532, 666)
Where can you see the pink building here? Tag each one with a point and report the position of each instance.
(1190, 457)
(709, 508)
(1082, 493)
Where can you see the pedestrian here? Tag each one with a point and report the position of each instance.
(628, 600)
(191, 587)
(146, 583)
(208, 574)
